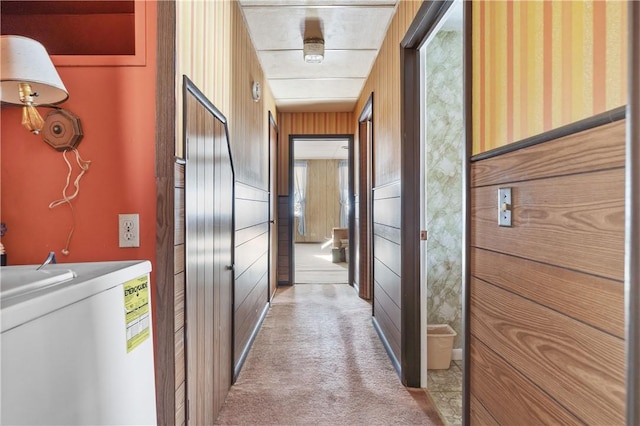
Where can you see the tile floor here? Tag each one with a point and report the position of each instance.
(445, 388)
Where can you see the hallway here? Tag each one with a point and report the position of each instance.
(317, 360)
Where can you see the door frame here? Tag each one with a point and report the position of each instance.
(366, 179)
(290, 230)
(632, 233)
(425, 21)
(272, 148)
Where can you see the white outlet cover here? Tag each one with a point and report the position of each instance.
(129, 230)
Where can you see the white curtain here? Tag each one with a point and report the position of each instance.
(300, 194)
(343, 180)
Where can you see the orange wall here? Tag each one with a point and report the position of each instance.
(117, 108)
(541, 65)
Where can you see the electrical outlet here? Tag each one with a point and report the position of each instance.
(129, 230)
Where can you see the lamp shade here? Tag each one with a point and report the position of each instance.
(25, 60)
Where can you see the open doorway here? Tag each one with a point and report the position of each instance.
(442, 158)
(322, 192)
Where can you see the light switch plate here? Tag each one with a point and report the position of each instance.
(504, 206)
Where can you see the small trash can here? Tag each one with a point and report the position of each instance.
(439, 346)
(337, 255)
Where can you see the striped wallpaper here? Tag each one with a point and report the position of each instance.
(311, 123)
(384, 83)
(539, 65)
(203, 43)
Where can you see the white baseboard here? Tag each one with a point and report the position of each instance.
(456, 354)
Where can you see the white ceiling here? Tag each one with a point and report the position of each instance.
(353, 31)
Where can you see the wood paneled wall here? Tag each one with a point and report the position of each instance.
(179, 296)
(249, 133)
(322, 212)
(384, 82)
(251, 294)
(316, 123)
(215, 51)
(285, 254)
(547, 304)
(203, 40)
(387, 306)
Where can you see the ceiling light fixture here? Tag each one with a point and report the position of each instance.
(313, 50)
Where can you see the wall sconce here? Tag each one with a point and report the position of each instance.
(313, 49)
(29, 78)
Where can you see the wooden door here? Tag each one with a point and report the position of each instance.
(209, 197)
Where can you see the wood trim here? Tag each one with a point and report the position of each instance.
(410, 116)
(243, 356)
(606, 151)
(273, 141)
(428, 15)
(410, 358)
(365, 204)
(577, 127)
(632, 261)
(165, 182)
(466, 215)
(424, 22)
(289, 213)
(387, 347)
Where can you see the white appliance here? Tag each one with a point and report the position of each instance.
(77, 344)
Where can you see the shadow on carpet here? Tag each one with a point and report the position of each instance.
(318, 360)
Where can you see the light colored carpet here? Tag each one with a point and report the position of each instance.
(318, 360)
(314, 265)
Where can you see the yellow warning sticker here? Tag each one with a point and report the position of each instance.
(137, 314)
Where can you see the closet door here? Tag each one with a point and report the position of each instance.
(209, 184)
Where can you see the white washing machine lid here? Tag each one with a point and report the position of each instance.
(27, 293)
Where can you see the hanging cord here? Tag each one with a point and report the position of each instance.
(84, 166)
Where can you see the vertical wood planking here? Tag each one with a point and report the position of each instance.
(318, 123)
(209, 189)
(164, 310)
(384, 82)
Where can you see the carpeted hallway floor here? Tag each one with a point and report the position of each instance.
(314, 265)
(318, 360)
